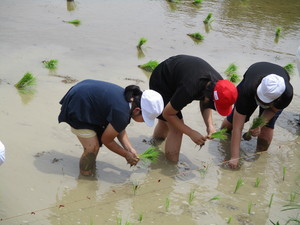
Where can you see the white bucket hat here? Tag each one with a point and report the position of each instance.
(152, 106)
(2, 153)
(270, 88)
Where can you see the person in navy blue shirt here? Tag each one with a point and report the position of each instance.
(98, 112)
(266, 85)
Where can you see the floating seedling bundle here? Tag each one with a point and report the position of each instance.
(208, 19)
(196, 36)
(149, 66)
(26, 82)
(141, 42)
(51, 64)
(257, 122)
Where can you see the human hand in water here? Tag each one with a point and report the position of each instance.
(131, 158)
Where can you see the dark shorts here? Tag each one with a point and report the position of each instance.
(270, 124)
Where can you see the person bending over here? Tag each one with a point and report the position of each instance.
(265, 85)
(98, 112)
(180, 80)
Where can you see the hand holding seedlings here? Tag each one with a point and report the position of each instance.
(131, 159)
(254, 130)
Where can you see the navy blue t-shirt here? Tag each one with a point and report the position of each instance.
(182, 79)
(92, 104)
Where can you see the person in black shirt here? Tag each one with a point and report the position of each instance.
(180, 80)
(99, 111)
(265, 85)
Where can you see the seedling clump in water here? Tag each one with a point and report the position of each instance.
(151, 154)
(257, 122)
(74, 22)
(278, 31)
(231, 69)
(217, 197)
(197, 36)
(257, 182)
(234, 78)
(167, 204)
(221, 134)
(290, 68)
(271, 200)
(191, 197)
(141, 42)
(149, 66)
(208, 19)
(239, 183)
(26, 81)
(196, 2)
(51, 64)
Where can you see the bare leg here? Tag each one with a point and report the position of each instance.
(160, 132)
(226, 124)
(173, 144)
(90, 151)
(264, 139)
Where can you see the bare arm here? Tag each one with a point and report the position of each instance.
(108, 140)
(207, 117)
(238, 125)
(124, 140)
(169, 114)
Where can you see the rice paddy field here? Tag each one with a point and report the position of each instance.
(98, 39)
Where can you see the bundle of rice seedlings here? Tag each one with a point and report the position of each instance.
(290, 68)
(231, 69)
(141, 42)
(74, 22)
(151, 154)
(239, 183)
(278, 32)
(208, 19)
(196, 36)
(234, 78)
(221, 134)
(149, 66)
(196, 2)
(51, 64)
(257, 122)
(26, 81)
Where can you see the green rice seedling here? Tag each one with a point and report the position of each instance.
(239, 183)
(26, 81)
(119, 220)
(191, 197)
(128, 223)
(257, 122)
(141, 216)
(51, 64)
(257, 182)
(231, 69)
(229, 220)
(234, 78)
(167, 204)
(283, 173)
(74, 22)
(275, 223)
(221, 134)
(250, 207)
(208, 18)
(217, 197)
(151, 154)
(293, 197)
(278, 32)
(135, 187)
(271, 200)
(291, 207)
(290, 68)
(197, 36)
(196, 2)
(141, 42)
(149, 66)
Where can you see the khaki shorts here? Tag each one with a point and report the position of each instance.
(83, 133)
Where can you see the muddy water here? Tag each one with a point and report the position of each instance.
(40, 183)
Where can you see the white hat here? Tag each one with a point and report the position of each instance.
(270, 88)
(2, 153)
(152, 106)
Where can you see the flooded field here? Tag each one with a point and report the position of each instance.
(40, 182)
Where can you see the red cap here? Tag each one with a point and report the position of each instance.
(225, 95)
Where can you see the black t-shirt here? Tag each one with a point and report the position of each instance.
(246, 103)
(181, 79)
(92, 104)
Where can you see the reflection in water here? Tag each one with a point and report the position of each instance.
(27, 95)
(71, 5)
